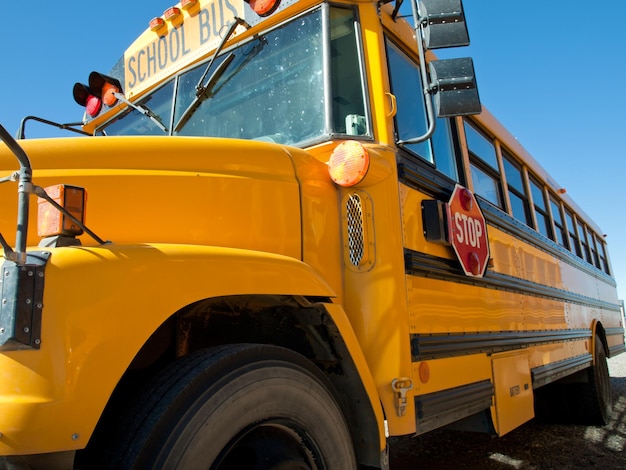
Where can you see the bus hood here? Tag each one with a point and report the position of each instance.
(188, 190)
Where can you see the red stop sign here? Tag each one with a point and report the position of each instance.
(467, 231)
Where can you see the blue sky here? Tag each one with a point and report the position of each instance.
(550, 71)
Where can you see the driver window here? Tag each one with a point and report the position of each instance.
(411, 120)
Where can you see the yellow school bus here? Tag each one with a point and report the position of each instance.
(288, 233)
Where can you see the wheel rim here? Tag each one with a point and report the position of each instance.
(269, 445)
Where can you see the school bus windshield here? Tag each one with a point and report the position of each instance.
(273, 89)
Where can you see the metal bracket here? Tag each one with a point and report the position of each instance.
(21, 302)
(400, 386)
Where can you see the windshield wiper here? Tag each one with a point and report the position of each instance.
(143, 109)
(202, 90)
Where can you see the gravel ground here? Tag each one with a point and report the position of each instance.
(532, 446)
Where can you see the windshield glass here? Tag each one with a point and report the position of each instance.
(132, 122)
(272, 88)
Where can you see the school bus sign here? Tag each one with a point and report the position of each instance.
(467, 231)
(178, 42)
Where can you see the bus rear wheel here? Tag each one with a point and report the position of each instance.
(238, 407)
(597, 396)
(584, 398)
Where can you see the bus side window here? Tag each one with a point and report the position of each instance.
(544, 226)
(582, 233)
(593, 242)
(573, 236)
(517, 191)
(410, 118)
(483, 166)
(559, 226)
(604, 260)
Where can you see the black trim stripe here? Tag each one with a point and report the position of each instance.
(508, 224)
(441, 345)
(424, 265)
(617, 349)
(418, 175)
(437, 409)
(617, 331)
(554, 371)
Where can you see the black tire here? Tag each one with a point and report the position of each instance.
(240, 407)
(597, 398)
(584, 398)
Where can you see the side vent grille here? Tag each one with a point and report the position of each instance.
(358, 231)
(355, 226)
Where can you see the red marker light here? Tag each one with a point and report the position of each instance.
(93, 105)
(263, 7)
(186, 4)
(86, 98)
(171, 13)
(156, 24)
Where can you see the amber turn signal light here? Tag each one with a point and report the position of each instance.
(52, 222)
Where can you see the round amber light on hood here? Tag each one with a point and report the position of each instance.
(349, 163)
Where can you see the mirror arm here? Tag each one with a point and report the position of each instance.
(428, 88)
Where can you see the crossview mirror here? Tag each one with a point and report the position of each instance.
(454, 82)
(443, 23)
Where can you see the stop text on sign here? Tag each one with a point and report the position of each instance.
(469, 231)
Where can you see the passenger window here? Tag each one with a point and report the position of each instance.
(573, 236)
(594, 249)
(517, 191)
(541, 212)
(481, 146)
(604, 261)
(560, 229)
(411, 120)
(483, 166)
(582, 233)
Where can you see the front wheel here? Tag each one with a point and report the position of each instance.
(238, 407)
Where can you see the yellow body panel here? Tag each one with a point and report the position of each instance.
(89, 337)
(467, 369)
(513, 399)
(194, 218)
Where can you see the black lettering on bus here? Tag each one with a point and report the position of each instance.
(185, 51)
(152, 59)
(142, 76)
(205, 30)
(221, 14)
(162, 52)
(215, 27)
(131, 70)
(174, 45)
(232, 9)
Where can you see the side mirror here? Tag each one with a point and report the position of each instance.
(443, 23)
(454, 84)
